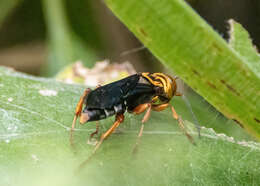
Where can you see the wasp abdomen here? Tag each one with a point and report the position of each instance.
(98, 114)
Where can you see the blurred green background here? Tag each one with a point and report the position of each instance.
(41, 37)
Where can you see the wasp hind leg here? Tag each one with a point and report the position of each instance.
(78, 113)
(118, 121)
(90, 140)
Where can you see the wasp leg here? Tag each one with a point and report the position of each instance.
(97, 129)
(119, 119)
(93, 133)
(78, 113)
(178, 94)
(181, 125)
(149, 107)
(138, 110)
(160, 107)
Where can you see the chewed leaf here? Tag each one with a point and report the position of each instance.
(35, 118)
(242, 43)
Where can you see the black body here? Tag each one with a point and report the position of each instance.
(117, 97)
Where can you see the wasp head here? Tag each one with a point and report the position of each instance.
(165, 85)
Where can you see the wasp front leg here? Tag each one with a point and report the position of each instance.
(181, 125)
(78, 111)
(175, 116)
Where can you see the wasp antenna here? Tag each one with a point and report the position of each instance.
(133, 50)
(193, 115)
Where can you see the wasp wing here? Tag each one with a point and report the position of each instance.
(111, 94)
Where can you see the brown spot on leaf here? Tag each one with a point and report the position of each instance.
(238, 123)
(143, 32)
(257, 120)
(229, 87)
(196, 72)
(215, 46)
(211, 85)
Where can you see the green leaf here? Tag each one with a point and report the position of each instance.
(65, 46)
(6, 8)
(242, 43)
(35, 118)
(187, 45)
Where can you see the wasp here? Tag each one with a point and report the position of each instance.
(138, 93)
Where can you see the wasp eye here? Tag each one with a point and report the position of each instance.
(159, 90)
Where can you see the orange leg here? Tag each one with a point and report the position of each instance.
(175, 116)
(181, 124)
(178, 94)
(160, 107)
(93, 133)
(119, 119)
(149, 107)
(78, 113)
(97, 129)
(141, 108)
(138, 110)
